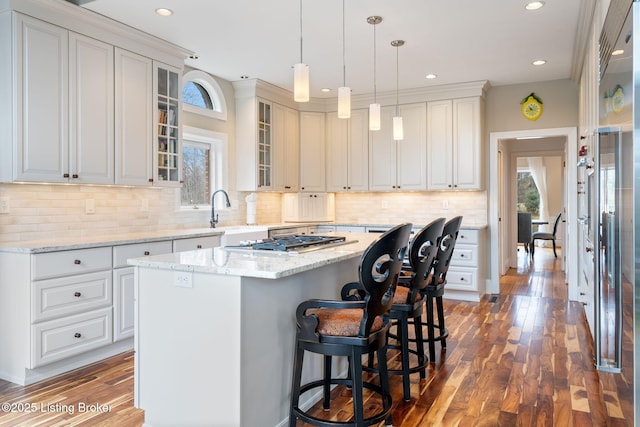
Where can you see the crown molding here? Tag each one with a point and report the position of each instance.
(91, 24)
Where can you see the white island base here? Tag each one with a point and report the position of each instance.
(219, 353)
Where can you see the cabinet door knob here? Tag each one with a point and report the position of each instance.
(462, 279)
(199, 246)
(449, 185)
(147, 253)
(77, 335)
(77, 262)
(150, 179)
(462, 236)
(75, 176)
(65, 175)
(461, 255)
(77, 294)
(588, 249)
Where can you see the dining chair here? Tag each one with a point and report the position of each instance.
(543, 235)
(352, 329)
(524, 229)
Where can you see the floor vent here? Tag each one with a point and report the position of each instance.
(493, 298)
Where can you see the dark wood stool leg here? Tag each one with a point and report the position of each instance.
(295, 383)
(327, 383)
(430, 330)
(417, 326)
(384, 379)
(403, 336)
(356, 389)
(439, 304)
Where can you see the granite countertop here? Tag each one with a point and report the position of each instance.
(261, 264)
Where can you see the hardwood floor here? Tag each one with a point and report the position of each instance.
(522, 358)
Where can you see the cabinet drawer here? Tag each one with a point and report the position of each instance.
(64, 263)
(196, 243)
(122, 253)
(61, 338)
(69, 295)
(466, 255)
(466, 236)
(464, 279)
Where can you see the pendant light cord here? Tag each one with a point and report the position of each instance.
(375, 92)
(344, 66)
(397, 81)
(301, 32)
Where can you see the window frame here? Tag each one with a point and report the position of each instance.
(218, 155)
(214, 90)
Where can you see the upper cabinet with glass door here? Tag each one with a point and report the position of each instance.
(167, 161)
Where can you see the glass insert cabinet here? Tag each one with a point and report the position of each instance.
(167, 164)
(264, 144)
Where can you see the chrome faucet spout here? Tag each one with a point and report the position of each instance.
(214, 217)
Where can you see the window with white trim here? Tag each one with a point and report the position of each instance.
(203, 166)
(201, 94)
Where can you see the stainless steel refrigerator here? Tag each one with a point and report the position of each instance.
(612, 185)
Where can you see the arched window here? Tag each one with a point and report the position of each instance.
(202, 95)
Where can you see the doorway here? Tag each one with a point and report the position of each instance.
(502, 212)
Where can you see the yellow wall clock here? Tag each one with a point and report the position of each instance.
(531, 107)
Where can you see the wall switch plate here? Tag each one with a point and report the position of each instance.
(90, 206)
(445, 204)
(234, 204)
(144, 206)
(384, 204)
(4, 205)
(183, 279)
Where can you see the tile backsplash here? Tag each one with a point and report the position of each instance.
(39, 211)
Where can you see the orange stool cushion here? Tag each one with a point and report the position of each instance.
(343, 322)
(401, 295)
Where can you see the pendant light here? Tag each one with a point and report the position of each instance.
(344, 92)
(374, 109)
(398, 131)
(301, 73)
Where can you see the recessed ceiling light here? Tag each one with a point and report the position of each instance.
(539, 62)
(325, 89)
(430, 76)
(617, 52)
(164, 12)
(534, 5)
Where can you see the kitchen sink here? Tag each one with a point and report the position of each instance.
(235, 234)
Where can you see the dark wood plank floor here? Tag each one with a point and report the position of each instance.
(522, 359)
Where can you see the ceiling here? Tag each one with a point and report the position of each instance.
(459, 41)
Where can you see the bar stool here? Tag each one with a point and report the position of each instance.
(435, 289)
(352, 329)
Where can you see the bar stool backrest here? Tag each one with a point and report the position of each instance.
(445, 250)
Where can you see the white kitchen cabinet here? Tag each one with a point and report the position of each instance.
(62, 86)
(286, 148)
(134, 118)
(466, 276)
(348, 152)
(301, 207)
(399, 165)
(454, 144)
(312, 152)
(167, 85)
(193, 243)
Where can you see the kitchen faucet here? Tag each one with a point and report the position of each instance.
(214, 217)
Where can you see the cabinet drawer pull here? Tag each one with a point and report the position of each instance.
(77, 262)
(462, 279)
(147, 253)
(77, 335)
(462, 236)
(77, 294)
(461, 255)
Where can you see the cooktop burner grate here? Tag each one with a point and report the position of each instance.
(294, 242)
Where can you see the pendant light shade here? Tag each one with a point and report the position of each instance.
(374, 109)
(344, 92)
(398, 130)
(301, 82)
(344, 102)
(301, 73)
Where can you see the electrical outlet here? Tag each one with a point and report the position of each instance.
(90, 206)
(445, 204)
(183, 279)
(384, 204)
(144, 206)
(4, 205)
(234, 204)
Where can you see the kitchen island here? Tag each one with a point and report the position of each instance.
(215, 330)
